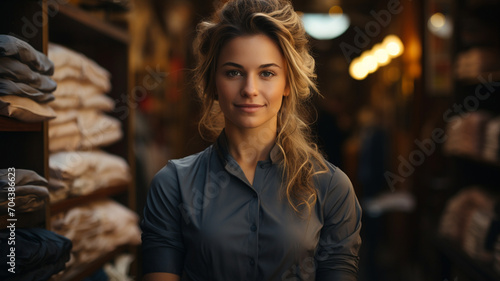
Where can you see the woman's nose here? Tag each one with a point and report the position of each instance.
(250, 86)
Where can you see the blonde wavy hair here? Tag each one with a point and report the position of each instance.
(277, 20)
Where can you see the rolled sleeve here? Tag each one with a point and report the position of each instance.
(337, 256)
(162, 242)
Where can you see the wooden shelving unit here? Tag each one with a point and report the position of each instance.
(475, 269)
(472, 29)
(25, 145)
(71, 202)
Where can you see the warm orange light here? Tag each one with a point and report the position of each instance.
(380, 55)
(336, 10)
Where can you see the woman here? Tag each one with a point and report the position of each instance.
(261, 203)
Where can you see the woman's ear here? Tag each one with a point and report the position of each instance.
(287, 91)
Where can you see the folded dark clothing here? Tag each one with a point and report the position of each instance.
(39, 254)
(17, 71)
(12, 47)
(8, 87)
(22, 177)
(28, 198)
(41, 273)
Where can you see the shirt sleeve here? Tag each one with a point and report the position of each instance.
(162, 243)
(337, 256)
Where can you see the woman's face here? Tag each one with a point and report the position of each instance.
(251, 82)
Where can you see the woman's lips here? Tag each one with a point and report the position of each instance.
(249, 108)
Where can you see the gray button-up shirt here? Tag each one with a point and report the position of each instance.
(204, 219)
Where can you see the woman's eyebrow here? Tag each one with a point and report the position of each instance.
(240, 66)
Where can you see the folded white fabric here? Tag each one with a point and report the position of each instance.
(73, 65)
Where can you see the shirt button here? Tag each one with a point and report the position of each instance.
(253, 228)
(252, 262)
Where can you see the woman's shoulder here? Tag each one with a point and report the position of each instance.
(333, 179)
(185, 165)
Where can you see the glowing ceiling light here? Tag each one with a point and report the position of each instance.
(440, 25)
(437, 20)
(325, 26)
(335, 10)
(369, 62)
(393, 45)
(381, 55)
(357, 69)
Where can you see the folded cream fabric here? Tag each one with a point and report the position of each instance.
(17, 71)
(90, 129)
(64, 115)
(475, 62)
(491, 140)
(12, 47)
(103, 138)
(8, 87)
(66, 103)
(98, 129)
(25, 109)
(459, 209)
(65, 143)
(86, 171)
(71, 64)
(99, 102)
(97, 228)
(78, 88)
(63, 129)
(58, 190)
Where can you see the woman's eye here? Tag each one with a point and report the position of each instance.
(232, 73)
(267, 74)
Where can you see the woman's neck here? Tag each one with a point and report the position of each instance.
(249, 146)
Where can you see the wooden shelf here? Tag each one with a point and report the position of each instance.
(476, 269)
(12, 125)
(475, 159)
(495, 77)
(71, 202)
(85, 23)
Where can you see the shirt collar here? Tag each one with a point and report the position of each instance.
(222, 148)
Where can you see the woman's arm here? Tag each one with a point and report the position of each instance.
(339, 243)
(162, 242)
(161, 276)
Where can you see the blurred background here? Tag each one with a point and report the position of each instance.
(409, 109)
